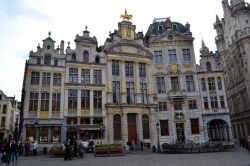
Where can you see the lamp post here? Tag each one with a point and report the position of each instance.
(36, 129)
(158, 137)
(101, 129)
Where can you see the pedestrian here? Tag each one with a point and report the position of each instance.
(67, 151)
(142, 145)
(35, 148)
(31, 148)
(13, 150)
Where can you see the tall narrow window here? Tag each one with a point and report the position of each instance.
(44, 101)
(85, 56)
(142, 69)
(203, 84)
(160, 29)
(172, 56)
(162, 106)
(186, 55)
(195, 126)
(97, 99)
(56, 101)
(117, 127)
(72, 100)
(4, 109)
(57, 77)
(38, 61)
(160, 83)
(43, 134)
(85, 76)
(115, 67)
(33, 103)
(145, 127)
(190, 83)
(85, 99)
(73, 57)
(192, 104)
(129, 69)
(177, 104)
(222, 102)
(47, 60)
(175, 84)
(97, 59)
(144, 95)
(3, 122)
(164, 127)
(219, 83)
(208, 65)
(214, 102)
(205, 100)
(35, 77)
(211, 83)
(55, 134)
(46, 78)
(97, 77)
(73, 75)
(116, 92)
(55, 62)
(158, 57)
(130, 92)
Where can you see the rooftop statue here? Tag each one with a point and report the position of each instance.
(126, 16)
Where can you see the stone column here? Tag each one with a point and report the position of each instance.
(123, 82)
(110, 125)
(152, 127)
(78, 102)
(49, 135)
(139, 127)
(91, 106)
(124, 128)
(109, 81)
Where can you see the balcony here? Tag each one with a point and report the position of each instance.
(85, 112)
(239, 7)
(72, 112)
(177, 93)
(32, 114)
(97, 112)
(242, 34)
(55, 114)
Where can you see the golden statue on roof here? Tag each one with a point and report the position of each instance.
(126, 16)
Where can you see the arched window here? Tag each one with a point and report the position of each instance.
(85, 56)
(47, 60)
(97, 59)
(145, 126)
(208, 65)
(73, 57)
(117, 127)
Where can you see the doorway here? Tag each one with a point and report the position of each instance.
(180, 132)
(132, 133)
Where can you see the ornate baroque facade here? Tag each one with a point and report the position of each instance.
(233, 37)
(118, 92)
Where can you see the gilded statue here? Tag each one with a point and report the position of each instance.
(126, 16)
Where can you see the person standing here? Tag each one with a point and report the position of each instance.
(35, 147)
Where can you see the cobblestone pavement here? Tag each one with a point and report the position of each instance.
(240, 157)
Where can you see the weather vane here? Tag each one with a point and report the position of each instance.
(126, 16)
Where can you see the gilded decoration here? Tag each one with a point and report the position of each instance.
(126, 16)
(85, 112)
(158, 67)
(35, 88)
(187, 66)
(29, 71)
(44, 114)
(173, 68)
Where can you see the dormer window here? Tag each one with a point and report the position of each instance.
(47, 60)
(175, 27)
(73, 57)
(38, 61)
(85, 56)
(208, 65)
(56, 62)
(160, 29)
(97, 59)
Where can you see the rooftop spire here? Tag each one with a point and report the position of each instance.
(126, 16)
(217, 18)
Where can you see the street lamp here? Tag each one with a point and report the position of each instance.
(158, 137)
(36, 129)
(101, 129)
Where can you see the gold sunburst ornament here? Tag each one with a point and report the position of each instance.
(126, 16)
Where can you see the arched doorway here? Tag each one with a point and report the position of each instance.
(218, 130)
(71, 134)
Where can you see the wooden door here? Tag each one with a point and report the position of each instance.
(180, 132)
(132, 133)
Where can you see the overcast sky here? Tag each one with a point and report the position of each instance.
(25, 23)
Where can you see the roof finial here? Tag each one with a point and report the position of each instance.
(49, 33)
(68, 43)
(86, 27)
(126, 16)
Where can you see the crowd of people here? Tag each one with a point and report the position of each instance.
(9, 151)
